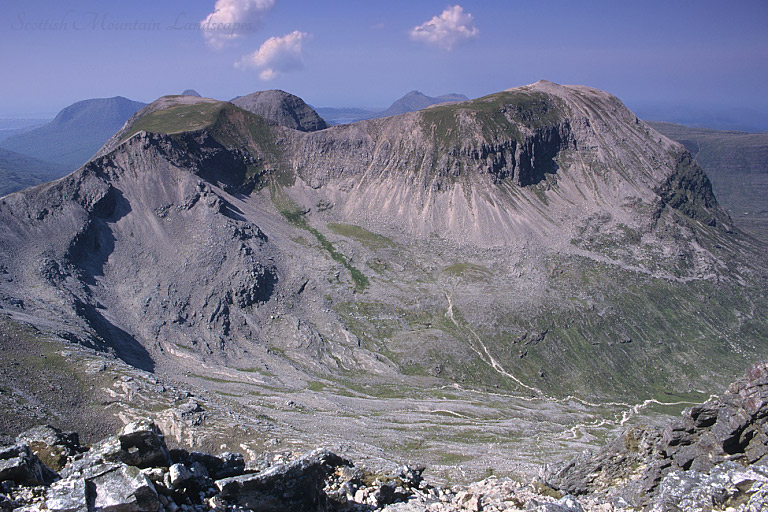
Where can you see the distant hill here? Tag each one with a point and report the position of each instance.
(11, 127)
(721, 118)
(282, 108)
(191, 92)
(76, 133)
(736, 163)
(341, 115)
(411, 102)
(416, 100)
(19, 171)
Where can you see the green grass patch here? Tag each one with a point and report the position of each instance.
(296, 216)
(177, 119)
(367, 238)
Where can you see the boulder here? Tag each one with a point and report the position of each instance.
(728, 486)
(51, 445)
(220, 466)
(144, 445)
(20, 465)
(294, 487)
(123, 489)
(68, 495)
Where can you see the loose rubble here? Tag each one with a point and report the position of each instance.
(135, 471)
(715, 457)
(712, 458)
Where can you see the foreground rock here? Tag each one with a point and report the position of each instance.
(716, 454)
(713, 458)
(135, 472)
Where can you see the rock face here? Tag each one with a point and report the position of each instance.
(737, 164)
(282, 109)
(707, 454)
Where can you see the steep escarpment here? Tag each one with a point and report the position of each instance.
(514, 167)
(137, 234)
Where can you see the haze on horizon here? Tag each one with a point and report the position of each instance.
(653, 55)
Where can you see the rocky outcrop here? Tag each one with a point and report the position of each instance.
(132, 472)
(716, 451)
(712, 458)
(281, 108)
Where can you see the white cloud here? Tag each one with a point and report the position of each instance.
(452, 27)
(231, 19)
(276, 55)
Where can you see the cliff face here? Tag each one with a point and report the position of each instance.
(518, 166)
(140, 234)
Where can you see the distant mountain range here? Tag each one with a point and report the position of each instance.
(411, 102)
(76, 133)
(753, 120)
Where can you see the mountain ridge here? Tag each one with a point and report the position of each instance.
(541, 246)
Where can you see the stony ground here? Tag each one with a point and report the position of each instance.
(710, 459)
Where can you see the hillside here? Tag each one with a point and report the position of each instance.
(737, 164)
(536, 261)
(76, 133)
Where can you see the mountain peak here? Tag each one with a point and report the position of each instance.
(282, 108)
(190, 92)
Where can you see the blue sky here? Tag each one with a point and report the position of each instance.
(368, 53)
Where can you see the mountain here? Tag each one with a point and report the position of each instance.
(737, 164)
(191, 92)
(536, 261)
(416, 100)
(19, 171)
(76, 133)
(283, 109)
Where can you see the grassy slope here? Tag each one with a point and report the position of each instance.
(39, 383)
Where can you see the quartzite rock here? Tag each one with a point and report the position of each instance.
(295, 487)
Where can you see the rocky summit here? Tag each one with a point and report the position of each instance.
(527, 272)
(712, 458)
